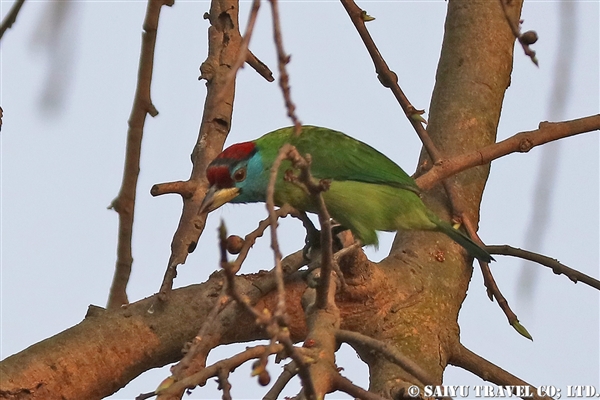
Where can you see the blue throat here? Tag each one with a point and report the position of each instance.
(254, 187)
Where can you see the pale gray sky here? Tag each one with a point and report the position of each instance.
(61, 165)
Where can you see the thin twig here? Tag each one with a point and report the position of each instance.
(345, 385)
(270, 204)
(124, 203)
(250, 238)
(262, 318)
(492, 289)
(224, 385)
(526, 39)
(303, 367)
(11, 17)
(520, 143)
(356, 339)
(289, 371)
(466, 359)
(315, 190)
(259, 66)
(228, 364)
(388, 78)
(283, 60)
(280, 313)
(556, 267)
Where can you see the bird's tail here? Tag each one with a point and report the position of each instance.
(472, 248)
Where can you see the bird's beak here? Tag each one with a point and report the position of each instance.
(215, 198)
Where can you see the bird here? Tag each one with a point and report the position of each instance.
(367, 192)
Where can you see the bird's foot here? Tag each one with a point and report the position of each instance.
(313, 240)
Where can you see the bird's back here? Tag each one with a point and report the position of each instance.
(337, 156)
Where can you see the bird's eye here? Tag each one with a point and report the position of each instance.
(239, 175)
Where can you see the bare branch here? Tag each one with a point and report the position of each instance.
(11, 17)
(259, 66)
(283, 60)
(124, 203)
(526, 39)
(270, 204)
(345, 385)
(228, 364)
(521, 142)
(250, 239)
(551, 263)
(185, 189)
(389, 79)
(289, 371)
(324, 297)
(493, 291)
(466, 359)
(224, 385)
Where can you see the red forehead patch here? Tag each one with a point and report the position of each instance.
(219, 175)
(239, 151)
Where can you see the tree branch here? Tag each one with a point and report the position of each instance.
(356, 339)
(345, 385)
(466, 359)
(224, 41)
(525, 39)
(259, 66)
(283, 60)
(228, 364)
(520, 143)
(551, 263)
(289, 371)
(11, 17)
(388, 78)
(124, 203)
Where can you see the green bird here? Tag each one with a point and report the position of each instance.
(368, 191)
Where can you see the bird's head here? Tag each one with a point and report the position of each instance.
(237, 175)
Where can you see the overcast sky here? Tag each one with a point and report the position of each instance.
(67, 95)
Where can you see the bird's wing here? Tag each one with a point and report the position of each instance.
(340, 157)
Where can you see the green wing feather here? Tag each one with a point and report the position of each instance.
(338, 157)
(381, 197)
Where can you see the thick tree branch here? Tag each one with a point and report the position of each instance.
(520, 143)
(124, 203)
(110, 348)
(223, 50)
